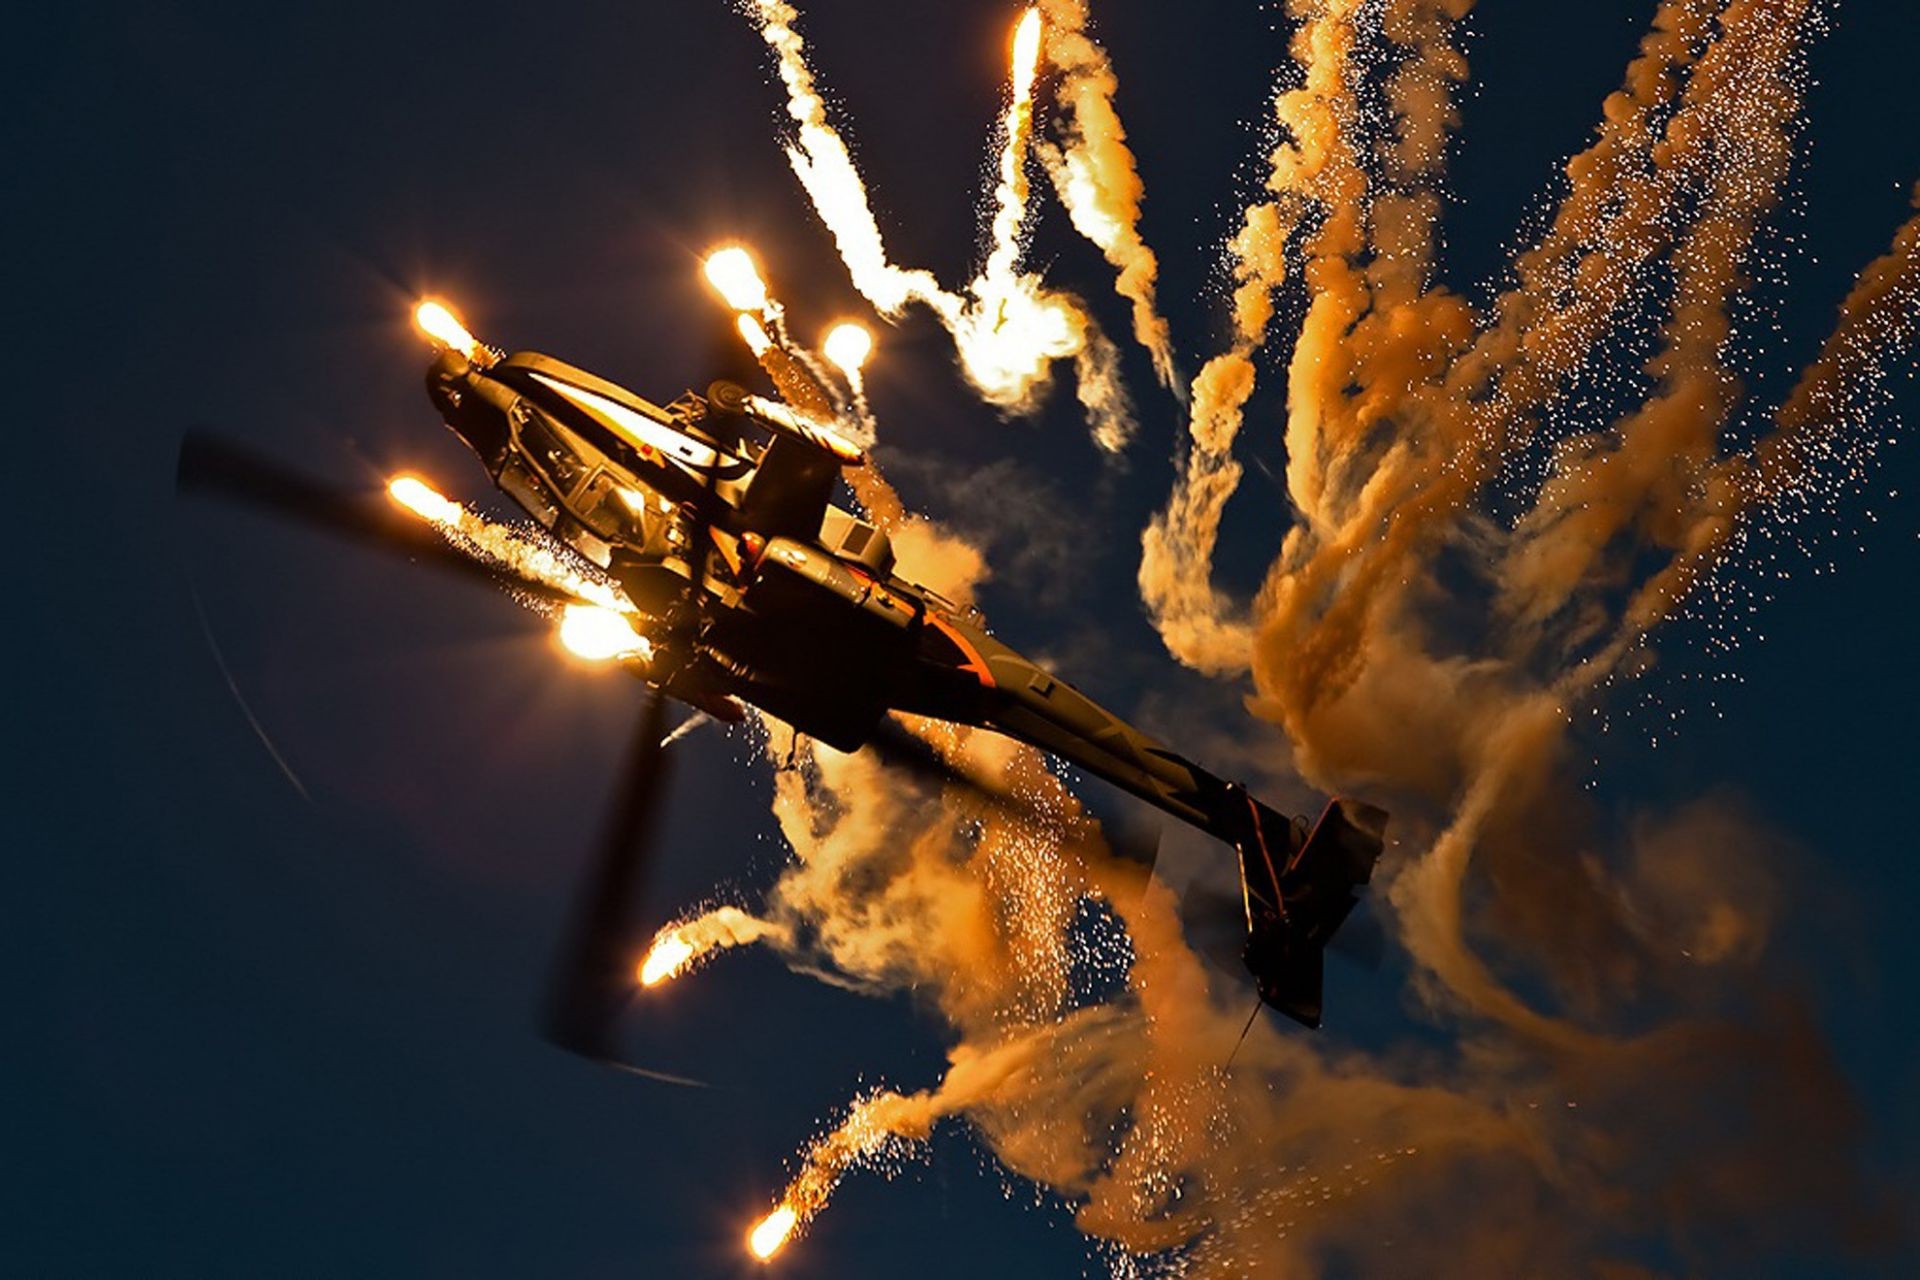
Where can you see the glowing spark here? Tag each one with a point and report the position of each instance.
(848, 345)
(731, 271)
(600, 635)
(438, 322)
(754, 334)
(417, 496)
(772, 1232)
(666, 958)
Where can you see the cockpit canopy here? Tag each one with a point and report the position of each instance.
(594, 463)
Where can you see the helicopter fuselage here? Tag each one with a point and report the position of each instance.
(715, 516)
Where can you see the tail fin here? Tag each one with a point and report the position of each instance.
(1299, 886)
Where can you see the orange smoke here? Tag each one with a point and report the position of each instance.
(1599, 984)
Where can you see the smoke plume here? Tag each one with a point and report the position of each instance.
(1472, 558)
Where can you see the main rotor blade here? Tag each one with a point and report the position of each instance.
(217, 468)
(594, 970)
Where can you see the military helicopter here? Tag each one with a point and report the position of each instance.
(744, 584)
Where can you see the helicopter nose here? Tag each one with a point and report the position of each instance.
(460, 393)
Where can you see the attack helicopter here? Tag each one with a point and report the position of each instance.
(739, 582)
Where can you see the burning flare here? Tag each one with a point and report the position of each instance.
(848, 345)
(417, 496)
(669, 954)
(438, 322)
(599, 634)
(771, 1233)
(1026, 54)
(877, 1127)
(733, 273)
(679, 947)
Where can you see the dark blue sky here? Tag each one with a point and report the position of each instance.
(254, 1033)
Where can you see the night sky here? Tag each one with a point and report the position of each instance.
(263, 1025)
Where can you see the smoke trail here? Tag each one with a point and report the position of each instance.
(1095, 175)
(697, 720)
(1648, 472)
(1009, 329)
(1878, 321)
(826, 171)
(1457, 404)
(1823, 428)
(1468, 415)
(1314, 161)
(1010, 197)
(1348, 673)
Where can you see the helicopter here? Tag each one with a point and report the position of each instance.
(736, 581)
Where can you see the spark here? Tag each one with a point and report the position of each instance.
(734, 275)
